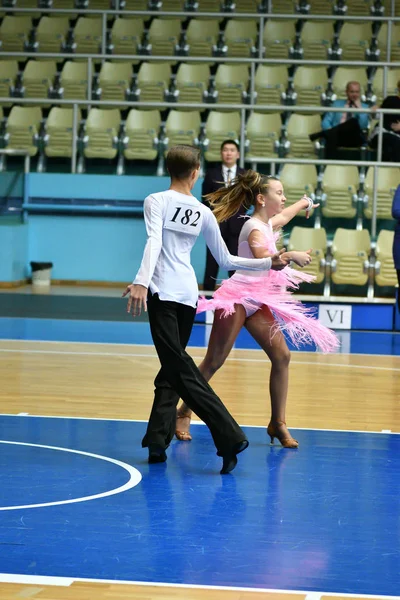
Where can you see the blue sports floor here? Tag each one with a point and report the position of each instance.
(78, 499)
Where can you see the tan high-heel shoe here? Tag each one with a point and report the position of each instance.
(183, 436)
(284, 437)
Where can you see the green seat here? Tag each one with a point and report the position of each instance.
(270, 84)
(14, 32)
(350, 250)
(164, 35)
(8, 74)
(298, 180)
(201, 36)
(298, 130)
(358, 8)
(316, 39)
(87, 35)
(115, 80)
(220, 126)
(74, 80)
(51, 34)
(385, 272)
(182, 128)
(153, 80)
(59, 131)
(231, 82)
(309, 84)
(321, 7)
(278, 38)
(125, 36)
(240, 37)
(101, 133)
(394, 43)
(354, 40)
(23, 127)
(262, 135)
(304, 238)
(141, 131)
(388, 181)
(393, 76)
(345, 74)
(192, 81)
(38, 78)
(340, 185)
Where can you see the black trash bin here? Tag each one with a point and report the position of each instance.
(41, 274)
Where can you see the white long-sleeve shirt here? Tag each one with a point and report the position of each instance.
(173, 223)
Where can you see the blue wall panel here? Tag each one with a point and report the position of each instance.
(13, 250)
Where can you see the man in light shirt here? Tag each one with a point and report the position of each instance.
(166, 286)
(215, 178)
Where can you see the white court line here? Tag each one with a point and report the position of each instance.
(192, 423)
(134, 477)
(230, 358)
(67, 581)
(318, 353)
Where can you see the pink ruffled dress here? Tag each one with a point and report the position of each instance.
(254, 289)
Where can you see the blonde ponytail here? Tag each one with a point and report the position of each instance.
(243, 191)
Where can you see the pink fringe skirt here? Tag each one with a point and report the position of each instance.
(290, 314)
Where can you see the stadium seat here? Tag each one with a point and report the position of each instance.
(395, 42)
(309, 84)
(240, 37)
(262, 135)
(201, 37)
(321, 7)
(192, 81)
(59, 132)
(101, 133)
(8, 74)
(393, 76)
(298, 129)
(135, 4)
(87, 35)
(100, 4)
(220, 126)
(74, 81)
(66, 5)
(141, 134)
(298, 180)
(153, 80)
(28, 4)
(173, 6)
(182, 128)
(358, 8)
(278, 38)
(14, 32)
(283, 6)
(23, 126)
(304, 238)
(125, 36)
(210, 6)
(163, 36)
(316, 39)
(340, 185)
(115, 81)
(231, 83)
(270, 84)
(350, 250)
(51, 34)
(354, 40)
(38, 78)
(385, 272)
(388, 181)
(345, 74)
(247, 6)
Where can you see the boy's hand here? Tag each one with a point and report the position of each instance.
(278, 261)
(137, 299)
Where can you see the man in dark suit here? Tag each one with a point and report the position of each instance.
(214, 179)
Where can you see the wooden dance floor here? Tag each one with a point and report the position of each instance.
(319, 522)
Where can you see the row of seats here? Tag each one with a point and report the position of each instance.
(105, 135)
(351, 259)
(356, 41)
(192, 83)
(325, 7)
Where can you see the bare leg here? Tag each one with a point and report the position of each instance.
(260, 326)
(223, 335)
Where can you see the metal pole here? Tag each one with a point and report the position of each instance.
(385, 76)
(261, 37)
(374, 203)
(103, 33)
(74, 137)
(90, 76)
(27, 168)
(380, 138)
(242, 136)
(389, 41)
(252, 82)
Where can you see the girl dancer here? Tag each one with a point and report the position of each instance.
(261, 303)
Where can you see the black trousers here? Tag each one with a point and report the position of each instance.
(398, 291)
(390, 147)
(171, 324)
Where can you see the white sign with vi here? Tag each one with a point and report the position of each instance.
(336, 316)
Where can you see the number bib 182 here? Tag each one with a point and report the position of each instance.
(183, 217)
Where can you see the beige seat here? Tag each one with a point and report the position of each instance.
(141, 131)
(28, 4)
(278, 38)
(309, 84)
(262, 134)
(38, 78)
(316, 39)
(394, 45)
(298, 130)
(220, 126)
(153, 80)
(125, 36)
(164, 35)
(210, 6)
(74, 80)
(240, 37)
(101, 133)
(23, 126)
(192, 81)
(59, 131)
(350, 250)
(247, 6)
(231, 81)
(298, 180)
(304, 238)
(270, 84)
(321, 7)
(385, 272)
(136, 4)
(393, 76)
(201, 36)
(359, 8)
(115, 80)
(173, 6)
(8, 74)
(283, 6)
(87, 35)
(340, 185)
(182, 128)
(66, 5)
(14, 32)
(100, 4)
(51, 34)
(345, 74)
(388, 181)
(354, 40)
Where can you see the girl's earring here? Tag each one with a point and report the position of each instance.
(263, 204)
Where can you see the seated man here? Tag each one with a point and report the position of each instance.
(391, 130)
(344, 129)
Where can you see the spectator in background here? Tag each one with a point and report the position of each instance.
(214, 179)
(396, 241)
(391, 130)
(344, 129)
